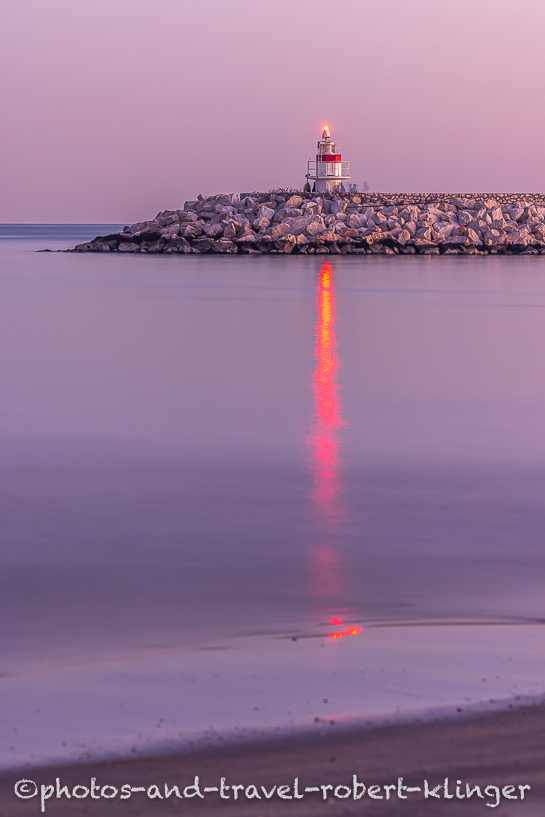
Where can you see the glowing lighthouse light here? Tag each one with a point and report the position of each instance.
(328, 173)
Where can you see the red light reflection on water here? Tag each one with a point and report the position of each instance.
(348, 631)
(326, 572)
(327, 420)
(327, 583)
(324, 442)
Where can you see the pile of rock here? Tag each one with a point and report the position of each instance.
(383, 224)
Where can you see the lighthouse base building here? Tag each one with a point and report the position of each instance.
(328, 174)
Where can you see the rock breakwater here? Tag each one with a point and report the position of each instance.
(383, 224)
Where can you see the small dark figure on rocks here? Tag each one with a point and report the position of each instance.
(306, 188)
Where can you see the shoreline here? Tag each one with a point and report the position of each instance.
(263, 738)
(293, 223)
(499, 748)
(173, 701)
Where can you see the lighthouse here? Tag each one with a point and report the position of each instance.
(328, 173)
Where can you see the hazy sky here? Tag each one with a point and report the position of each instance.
(114, 109)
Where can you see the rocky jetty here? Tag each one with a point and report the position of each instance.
(288, 222)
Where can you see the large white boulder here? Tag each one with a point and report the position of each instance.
(312, 207)
(474, 236)
(298, 225)
(356, 220)
(279, 230)
(315, 228)
(261, 223)
(520, 237)
(293, 201)
(265, 212)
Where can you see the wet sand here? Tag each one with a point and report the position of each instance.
(491, 749)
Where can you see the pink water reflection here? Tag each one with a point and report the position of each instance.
(324, 438)
(327, 581)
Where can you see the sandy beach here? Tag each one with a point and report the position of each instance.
(498, 749)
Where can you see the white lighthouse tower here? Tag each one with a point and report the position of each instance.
(328, 172)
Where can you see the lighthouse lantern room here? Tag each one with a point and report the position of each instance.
(329, 173)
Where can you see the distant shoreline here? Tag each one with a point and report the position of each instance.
(290, 223)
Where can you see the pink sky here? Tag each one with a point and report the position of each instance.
(115, 109)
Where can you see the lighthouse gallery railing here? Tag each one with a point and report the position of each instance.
(328, 170)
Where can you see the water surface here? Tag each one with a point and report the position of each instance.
(199, 449)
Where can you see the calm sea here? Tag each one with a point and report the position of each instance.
(233, 487)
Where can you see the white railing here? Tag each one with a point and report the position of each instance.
(328, 170)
